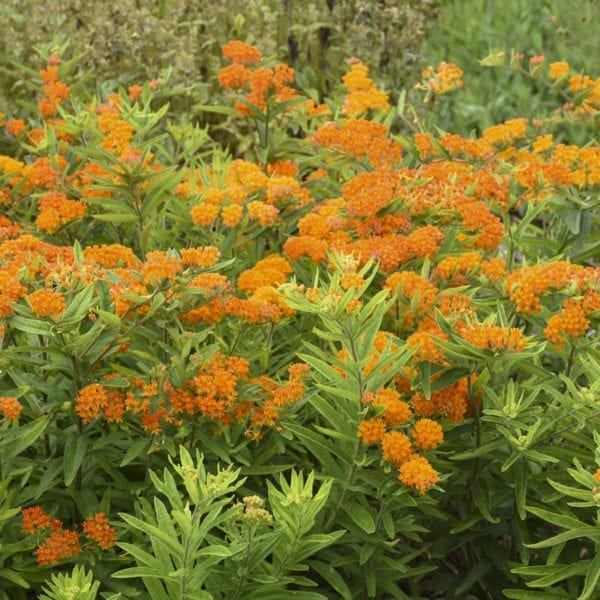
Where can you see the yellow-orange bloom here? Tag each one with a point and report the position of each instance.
(205, 256)
(61, 545)
(241, 52)
(419, 474)
(396, 447)
(10, 407)
(371, 431)
(47, 303)
(558, 69)
(90, 401)
(100, 530)
(35, 519)
(427, 434)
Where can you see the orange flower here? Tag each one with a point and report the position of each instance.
(418, 473)
(90, 401)
(427, 434)
(55, 209)
(61, 545)
(446, 77)
(493, 337)
(160, 265)
(205, 256)
(272, 270)
(426, 348)
(234, 76)
(371, 431)
(35, 519)
(571, 321)
(10, 407)
(231, 214)
(363, 93)
(14, 126)
(396, 412)
(494, 269)
(204, 213)
(47, 303)
(135, 91)
(240, 52)
(396, 447)
(112, 255)
(100, 530)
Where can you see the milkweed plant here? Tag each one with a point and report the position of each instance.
(357, 360)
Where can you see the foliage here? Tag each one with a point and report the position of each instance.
(536, 27)
(179, 41)
(353, 364)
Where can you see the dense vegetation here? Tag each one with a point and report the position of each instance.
(306, 332)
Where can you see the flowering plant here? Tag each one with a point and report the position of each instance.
(407, 325)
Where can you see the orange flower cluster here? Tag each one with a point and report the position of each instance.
(63, 544)
(407, 286)
(455, 267)
(90, 401)
(24, 258)
(571, 322)
(363, 94)
(418, 473)
(395, 411)
(277, 398)
(427, 434)
(270, 271)
(118, 133)
(527, 285)
(261, 82)
(396, 446)
(36, 520)
(451, 403)
(244, 189)
(426, 347)
(47, 303)
(60, 545)
(445, 78)
(493, 337)
(55, 210)
(10, 407)
(372, 430)
(14, 126)
(360, 139)
(98, 528)
(55, 91)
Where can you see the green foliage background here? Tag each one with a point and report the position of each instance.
(466, 32)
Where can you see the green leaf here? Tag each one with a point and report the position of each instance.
(333, 578)
(548, 575)
(528, 595)
(593, 533)
(109, 318)
(556, 518)
(13, 576)
(361, 516)
(473, 576)
(135, 450)
(521, 473)
(75, 449)
(18, 439)
(80, 305)
(591, 579)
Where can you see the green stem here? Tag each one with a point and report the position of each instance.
(186, 553)
(242, 579)
(349, 481)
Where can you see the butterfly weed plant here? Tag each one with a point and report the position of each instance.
(346, 363)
